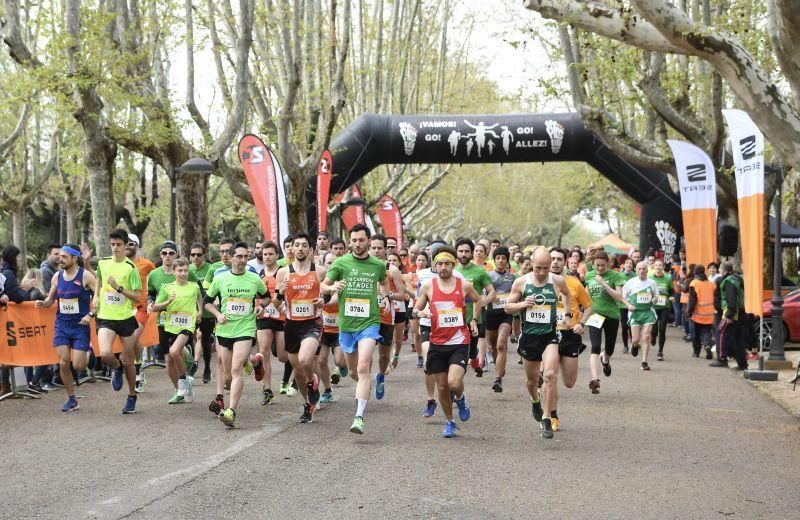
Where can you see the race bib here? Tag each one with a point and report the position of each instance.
(500, 303)
(68, 306)
(356, 307)
(595, 320)
(560, 316)
(113, 298)
(180, 320)
(330, 320)
(537, 314)
(238, 306)
(450, 318)
(399, 306)
(662, 300)
(302, 309)
(271, 312)
(643, 298)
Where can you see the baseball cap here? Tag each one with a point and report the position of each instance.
(135, 239)
(169, 244)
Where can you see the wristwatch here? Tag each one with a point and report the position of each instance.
(120, 289)
(568, 314)
(91, 314)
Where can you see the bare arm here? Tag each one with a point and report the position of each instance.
(513, 304)
(561, 284)
(51, 296)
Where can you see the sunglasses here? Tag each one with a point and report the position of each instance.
(196, 254)
(168, 253)
(133, 244)
(402, 255)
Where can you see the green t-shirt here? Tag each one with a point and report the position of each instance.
(201, 274)
(602, 303)
(664, 284)
(210, 273)
(111, 304)
(540, 318)
(181, 314)
(479, 279)
(625, 277)
(237, 294)
(281, 262)
(158, 279)
(358, 301)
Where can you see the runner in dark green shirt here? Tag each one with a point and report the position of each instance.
(479, 278)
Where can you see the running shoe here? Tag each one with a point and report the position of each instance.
(313, 390)
(660, 356)
(176, 399)
(183, 387)
(490, 358)
(267, 396)
(284, 388)
(479, 371)
(419, 362)
(379, 387)
(189, 397)
(344, 371)
(464, 413)
(207, 375)
(306, 417)
(292, 390)
(358, 425)
(248, 368)
(554, 423)
(430, 408)
(228, 417)
(449, 429)
(719, 363)
(193, 368)
(336, 376)
(116, 377)
(36, 389)
(625, 350)
(709, 355)
(258, 366)
(520, 362)
(606, 366)
(71, 405)
(141, 382)
(635, 351)
(547, 428)
(645, 366)
(395, 360)
(130, 405)
(326, 397)
(536, 410)
(498, 385)
(594, 386)
(217, 405)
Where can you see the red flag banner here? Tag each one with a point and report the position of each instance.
(324, 171)
(391, 220)
(259, 171)
(353, 215)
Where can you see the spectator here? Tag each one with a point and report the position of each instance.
(11, 292)
(34, 282)
(49, 266)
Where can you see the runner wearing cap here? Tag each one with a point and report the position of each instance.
(144, 267)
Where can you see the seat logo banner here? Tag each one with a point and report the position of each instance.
(324, 170)
(698, 188)
(391, 219)
(354, 214)
(265, 179)
(747, 144)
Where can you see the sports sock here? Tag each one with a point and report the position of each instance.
(287, 372)
(362, 405)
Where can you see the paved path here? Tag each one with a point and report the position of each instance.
(683, 441)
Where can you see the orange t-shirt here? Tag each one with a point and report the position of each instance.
(144, 266)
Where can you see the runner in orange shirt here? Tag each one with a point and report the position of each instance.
(144, 266)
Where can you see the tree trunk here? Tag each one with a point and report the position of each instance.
(192, 203)
(71, 211)
(19, 237)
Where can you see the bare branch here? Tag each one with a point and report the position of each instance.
(9, 141)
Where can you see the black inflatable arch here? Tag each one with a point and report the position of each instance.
(373, 140)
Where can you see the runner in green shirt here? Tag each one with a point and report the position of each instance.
(356, 277)
(117, 289)
(603, 286)
(479, 278)
(662, 306)
(204, 343)
(181, 302)
(238, 290)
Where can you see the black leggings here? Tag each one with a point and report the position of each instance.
(610, 327)
(660, 329)
(624, 326)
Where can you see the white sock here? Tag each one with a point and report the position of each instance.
(362, 405)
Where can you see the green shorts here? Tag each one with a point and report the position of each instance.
(639, 318)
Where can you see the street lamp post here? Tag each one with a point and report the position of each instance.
(777, 359)
(195, 165)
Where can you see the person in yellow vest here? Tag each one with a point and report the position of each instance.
(700, 310)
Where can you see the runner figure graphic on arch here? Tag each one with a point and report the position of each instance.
(480, 134)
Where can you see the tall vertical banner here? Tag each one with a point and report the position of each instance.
(698, 186)
(265, 179)
(391, 220)
(324, 170)
(747, 143)
(353, 215)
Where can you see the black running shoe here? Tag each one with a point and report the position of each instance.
(635, 351)
(207, 375)
(306, 417)
(193, 369)
(660, 356)
(547, 428)
(536, 410)
(708, 353)
(498, 385)
(606, 367)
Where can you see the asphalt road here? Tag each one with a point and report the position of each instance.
(682, 441)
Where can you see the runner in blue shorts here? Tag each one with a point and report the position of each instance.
(71, 286)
